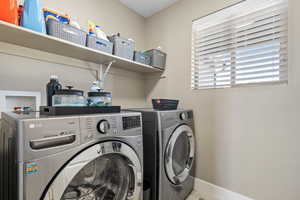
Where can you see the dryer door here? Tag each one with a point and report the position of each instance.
(179, 155)
(106, 171)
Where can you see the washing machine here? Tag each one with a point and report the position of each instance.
(88, 157)
(169, 152)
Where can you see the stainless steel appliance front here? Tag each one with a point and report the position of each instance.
(91, 157)
(169, 147)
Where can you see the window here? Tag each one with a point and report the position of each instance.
(243, 44)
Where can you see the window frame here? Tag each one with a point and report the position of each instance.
(282, 64)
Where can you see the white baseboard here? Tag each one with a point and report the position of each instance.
(209, 191)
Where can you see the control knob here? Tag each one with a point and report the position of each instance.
(103, 126)
(183, 116)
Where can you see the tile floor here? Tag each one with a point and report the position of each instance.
(194, 196)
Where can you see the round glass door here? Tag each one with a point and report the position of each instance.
(108, 171)
(179, 155)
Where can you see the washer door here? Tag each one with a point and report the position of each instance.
(179, 155)
(106, 171)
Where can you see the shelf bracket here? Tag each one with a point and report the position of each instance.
(156, 77)
(102, 75)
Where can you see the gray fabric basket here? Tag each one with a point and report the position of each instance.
(123, 47)
(99, 44)
(66, 32)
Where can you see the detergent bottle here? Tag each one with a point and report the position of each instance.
(33, 16)
(100, 34)
(9, 11)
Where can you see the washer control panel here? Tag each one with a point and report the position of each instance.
(110, 125)
(96, 127)
(131, 122)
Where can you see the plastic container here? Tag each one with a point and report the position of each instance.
(52, 14)
(68, 97)
(20, 13)
(158, 58)
(100, 34)
(33, 16)
(91, 27)
(99, 99)
(99, 44)
(9, 11)
(165, 104)
(52, 86)
(142, 57)
(66, 32)
(73, 22)
(95, 87)
(123, 48)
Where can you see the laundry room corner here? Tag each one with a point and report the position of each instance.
(237, 128)
(149, 100)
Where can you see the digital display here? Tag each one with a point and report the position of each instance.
(131, 122)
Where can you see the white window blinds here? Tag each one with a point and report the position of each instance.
(243, 44)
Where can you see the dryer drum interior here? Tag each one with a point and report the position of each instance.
(102, 172)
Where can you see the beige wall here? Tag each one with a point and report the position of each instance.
(19, 72)
(247, 138)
